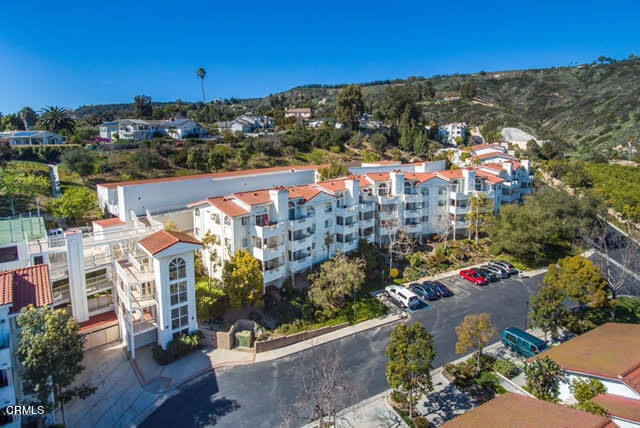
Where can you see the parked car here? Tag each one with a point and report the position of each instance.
(507, 266)
(497, 270)
(487, 274)
(522, 342)
(425, 291)
(473, 277)
(441, 289)
(402, 296)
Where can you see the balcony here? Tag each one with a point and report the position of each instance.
(461, 224)
(269, 252)
(300, 223)
(303, 262)
(129, 274)
(387, 215)
(273, 274)
(7, 396)
(267, 231)
(366, 206)
(143, 326)
(413, 213)
(5, 339)
(458, 209)
(348, 245)
(345, 229)
(385, 200)
(346, 211)
(412, 197)
(363, 224)
(99, 305)
(301, 242)
(458, 195)
(412, 227)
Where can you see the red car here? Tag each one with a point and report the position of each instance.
(473, 276)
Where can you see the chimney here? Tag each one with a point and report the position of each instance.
(526, 164)
(469, 176)
(280, 198)
(397, 182)
(508, 166)
(353, 191)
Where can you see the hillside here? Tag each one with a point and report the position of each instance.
(592, 107)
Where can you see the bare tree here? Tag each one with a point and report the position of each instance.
(618, 256)
(445, 228)
(325, 390)
(400, 243)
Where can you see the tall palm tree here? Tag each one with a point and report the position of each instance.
(56, 119)
(28, 117)
(202, 73)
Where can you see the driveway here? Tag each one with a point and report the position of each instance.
(262, 394)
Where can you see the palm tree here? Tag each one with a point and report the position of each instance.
(56, 119)
(202, 73)
(28, 117)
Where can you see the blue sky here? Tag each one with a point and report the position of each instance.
(77, 52)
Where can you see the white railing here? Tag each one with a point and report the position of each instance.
(273, 274)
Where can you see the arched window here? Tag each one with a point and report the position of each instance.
(382, 189)
(197, 211)
(177, 269)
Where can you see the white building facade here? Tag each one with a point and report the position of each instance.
(31, 138)
(449, 132)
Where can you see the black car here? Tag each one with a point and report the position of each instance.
(441, 289)
(488, 275)
(425, 291)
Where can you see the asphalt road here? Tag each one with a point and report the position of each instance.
(262, 395)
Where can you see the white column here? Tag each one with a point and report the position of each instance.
(77, 279)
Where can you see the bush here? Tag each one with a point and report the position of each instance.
(506, 368)
(394, 273)
(399, 397)
(420, 422)
(177, 348)
(585, 390)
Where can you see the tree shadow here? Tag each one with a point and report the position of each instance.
(446, 404)
(200, 407)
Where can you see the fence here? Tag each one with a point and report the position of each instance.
(270, 345)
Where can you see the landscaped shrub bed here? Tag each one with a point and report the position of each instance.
(177, 348)
(506, 368)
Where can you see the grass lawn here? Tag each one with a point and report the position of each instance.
(552, 255)
(366, 308)
(628, 310)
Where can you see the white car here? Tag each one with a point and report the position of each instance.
(403, 296)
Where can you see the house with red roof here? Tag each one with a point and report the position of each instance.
(19, 288)
(609, 353)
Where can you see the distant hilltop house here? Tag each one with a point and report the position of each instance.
(31, 138)
(248, 123)
(299, 113)
(449, 132)
(366, 121)
(137, 129)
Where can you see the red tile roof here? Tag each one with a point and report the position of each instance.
(378, 176)
(611, 350)
(491, 178)
(419, 177)
(25, 286)
(515, 410)
(486, 146)
(618, 406)
(255, 197)
(383, 162)
(108, 222)
(164, 239)
(492, 155)
(212, 175)
(449, 173)
(228, 206)
(306, 192)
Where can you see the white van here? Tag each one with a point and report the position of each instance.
(405, 297)
(56, 237)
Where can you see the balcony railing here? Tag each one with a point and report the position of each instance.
(342, 211)
(5, 340)
(273, 273)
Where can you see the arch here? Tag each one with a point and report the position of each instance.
(177, 269)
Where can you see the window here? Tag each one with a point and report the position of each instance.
(425, 218)
(227, 220)
(38, 260)
(197, 230)
(245, 242)
(328, 208)
(178, 292)
(8, 254)
(227, 242)
(197, 212)
(4, 378)
(425, 191)
(442, 190)
(215, 218)
(327, 223)
(180, 317)
(245, 221)
(177, 269)
(442, 203)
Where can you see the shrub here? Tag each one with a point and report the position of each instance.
(399, 397)
(177, 348)
(420, 422)
(394, 273)
(585, 390)
(506, 368)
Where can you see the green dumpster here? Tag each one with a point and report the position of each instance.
(244, 338)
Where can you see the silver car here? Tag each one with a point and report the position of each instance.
(497, 270)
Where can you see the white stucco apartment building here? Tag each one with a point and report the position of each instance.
(291, 228)
(609, 353)
(137, 129)
(449, 132)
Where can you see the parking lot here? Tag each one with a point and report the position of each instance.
(465, 290)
